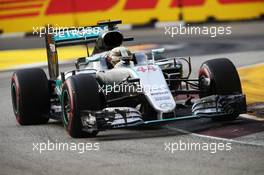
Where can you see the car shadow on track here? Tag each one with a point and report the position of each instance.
(208, 127)
(140, 132)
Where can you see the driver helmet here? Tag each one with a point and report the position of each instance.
(118, 54)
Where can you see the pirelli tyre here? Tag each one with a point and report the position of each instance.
(220, 77)
(79, 92)
(30, 96)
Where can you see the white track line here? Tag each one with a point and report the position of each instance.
(251, 117)
(13, 35)
(169, 24)
(125, 26)
(212, 137)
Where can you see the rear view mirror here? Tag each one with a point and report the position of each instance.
(156, 52)
(79, 62)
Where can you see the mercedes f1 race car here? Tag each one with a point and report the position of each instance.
(115, 88)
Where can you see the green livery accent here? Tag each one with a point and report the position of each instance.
(171, 119)
(58, 83)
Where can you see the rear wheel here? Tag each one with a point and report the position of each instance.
(219, 76)
(79, 92)
(30, 96)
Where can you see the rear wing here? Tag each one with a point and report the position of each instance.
(80, 36)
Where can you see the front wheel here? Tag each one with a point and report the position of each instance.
(219, 77)
(79, 92)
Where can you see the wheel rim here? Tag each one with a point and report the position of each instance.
(66, 107)
(205, 83)
(14, 98)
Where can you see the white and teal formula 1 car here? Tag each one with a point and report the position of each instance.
(139, 90)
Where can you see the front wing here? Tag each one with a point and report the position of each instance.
(214, 106)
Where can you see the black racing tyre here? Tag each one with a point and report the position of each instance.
(223, 77)
(219, 76)
(30, 96)
(79, 92)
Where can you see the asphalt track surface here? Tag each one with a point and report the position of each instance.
(142, 150)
